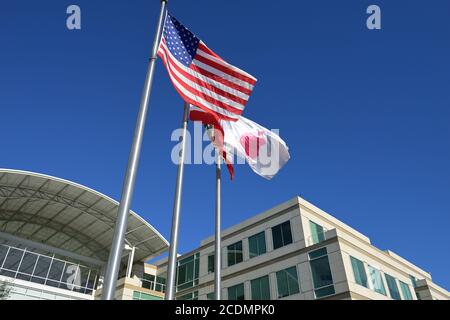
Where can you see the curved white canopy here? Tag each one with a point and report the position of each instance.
(69, 216)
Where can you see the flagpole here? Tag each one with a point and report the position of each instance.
(218, 248)
(115, 255)
(172, 264)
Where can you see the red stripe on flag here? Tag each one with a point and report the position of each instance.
(225, 69)
(196, 92)
(196, 103)
(206, 84)
(204, 48)
(217, 78)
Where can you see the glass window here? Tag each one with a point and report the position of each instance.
(236, 292)
(376, 280)
(287, 282)
(282, 235)
(235, 253)
(210, 296)
(189, 296)
(144, 296)
(359, 272)
(317, 232)
(405, 291)
(413, 281)
(211, 263)
(84, 276)
(257, 244)
(148, 281)
(13, 258)
(188, 269)
(321, 273)
(92, 279)
(56, 270)
(160, 285)
(261, 288)
(71, 271)
(392, 286)
(3, 252)
(28, 262)
(42, 267)
(148, 277)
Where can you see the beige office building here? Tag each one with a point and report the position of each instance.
(298, 251)
(55, 237)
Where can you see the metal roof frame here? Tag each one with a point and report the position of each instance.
(63, 214)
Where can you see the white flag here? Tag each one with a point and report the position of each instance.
(264, 150)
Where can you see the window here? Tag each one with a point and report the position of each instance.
(28, 262)
(376, 280)
(211, 296)
(13, 259)
(160, 284)
(189, 296)
(25, 264)
(235, 253)
(210, 263)
(405, 291)
(144, 296)
(413, 281)
(282, 235)
(261, 288)
(56, 270)
(317, 232)
(188, 269)
(287, 282)
(148, 281)
(236, 292)
(257, 244)
(321, 273)
(392, 286)
(3, 252)
(359, 272)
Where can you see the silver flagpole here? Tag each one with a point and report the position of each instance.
(115, 255)
(218, 244)
(172, 267)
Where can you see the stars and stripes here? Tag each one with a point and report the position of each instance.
(200, 76)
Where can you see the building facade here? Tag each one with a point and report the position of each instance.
(298, 251)
(55, 237)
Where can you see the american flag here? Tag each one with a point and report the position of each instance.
(200, 76)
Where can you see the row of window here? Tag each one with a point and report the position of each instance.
(188, 268)
(155, 283)
(376, 283)
(30, 266)
(281, 236)
(137, 295)
(288, 282)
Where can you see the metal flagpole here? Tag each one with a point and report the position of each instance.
(172, 266)
(218, 248)
(115, 255)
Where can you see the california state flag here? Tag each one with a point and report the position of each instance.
(263, 150)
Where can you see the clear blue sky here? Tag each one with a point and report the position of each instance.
(365, 113)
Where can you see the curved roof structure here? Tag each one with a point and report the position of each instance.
(69, 216)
